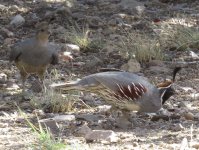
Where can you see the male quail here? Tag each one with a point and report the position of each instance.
(124, 90)
(32, 56)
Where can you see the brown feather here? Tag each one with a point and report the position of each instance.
(130, 92)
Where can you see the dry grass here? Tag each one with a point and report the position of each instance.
(141, 47)
(80, 37)
(52, 101)
(179, 37)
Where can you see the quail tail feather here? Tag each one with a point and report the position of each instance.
(66, 86)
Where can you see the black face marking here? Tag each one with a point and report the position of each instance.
(167, 94)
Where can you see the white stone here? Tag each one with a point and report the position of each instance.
(17, 20)
(73, 47)
(102, 135)
(64, 118)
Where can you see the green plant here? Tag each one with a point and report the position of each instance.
(80, 37)
(45, 140)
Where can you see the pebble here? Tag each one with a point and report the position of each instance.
(18, 20)
(189, 116)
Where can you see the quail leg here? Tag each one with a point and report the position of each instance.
(23, 78)
(42, 79)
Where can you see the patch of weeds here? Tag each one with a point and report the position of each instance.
(52, 101)
(45, 140)
(141, 47)
(81, 38)
(179, 37)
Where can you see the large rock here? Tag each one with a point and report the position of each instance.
(132, 66)
(97, 135)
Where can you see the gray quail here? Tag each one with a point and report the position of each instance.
(124, 90)
(33, 55)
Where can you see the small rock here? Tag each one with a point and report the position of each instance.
(195, 145)
(132, 66)
(187, 89)
(103, 108)
(83, 130)
(38, 112)
(194, 95)
(189, 116)
(77, 15)
(4, 125)
(17, 20)
(19, 2)
(65, 56)
(178, 127)
(70, 3)
(72, 47)
(14, 8)
(182, 104)
(102, 135)
(60, 30)
(90, 117)
(7, 98)
(78, 64)
(135, 144)
(12, 86)
(140, 9)
(7, 32)
(51, 125)
(3, 7)
(130, 3)
(132, 6)
(194, 55)
(3, 78)
(64, 10)
(63, 118)
(8, 41)
(196, 116)
(93, 62)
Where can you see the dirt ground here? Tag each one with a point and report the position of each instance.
(106, 20)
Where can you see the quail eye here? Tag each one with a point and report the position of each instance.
(42, 30)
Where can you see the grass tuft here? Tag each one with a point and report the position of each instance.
(180, 37)
(81, 38)
(45, 140)
(141, 47)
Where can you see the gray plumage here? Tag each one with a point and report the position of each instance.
(33, 55)
(125, 90)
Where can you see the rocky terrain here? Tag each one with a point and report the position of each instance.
(150, 37)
